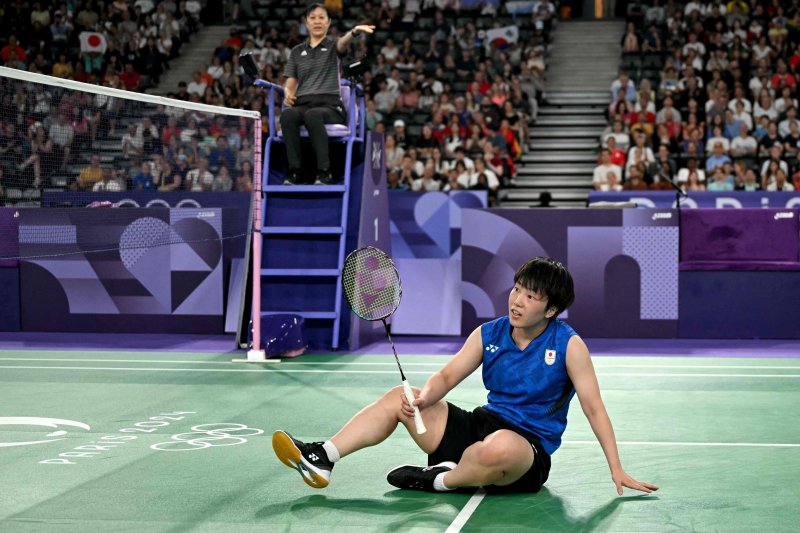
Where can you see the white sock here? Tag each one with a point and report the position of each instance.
(438, 483)
(330, 449)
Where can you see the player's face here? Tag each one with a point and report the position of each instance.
(527, 309)
(318, 22)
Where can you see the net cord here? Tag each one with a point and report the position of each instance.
(34, 77)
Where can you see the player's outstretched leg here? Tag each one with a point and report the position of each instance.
(413, 477)
(309, 459)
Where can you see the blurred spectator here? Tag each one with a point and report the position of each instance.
(612, 183)
(784, 127)
(717, 159)
(394, 183)
(769, 139)
(393, 153)
(623, 82)
(13, 47)
(221, 154)
(635, 180)
(600, 178)
(200, 178)
(693, 182)
(62, 136)
(429, 181)
(90, 175)
(131, 79)
(744, 145)
(749, 183)
(110, 182)
(639, 153)
(197, 85)
(780, 182)
(621, 138)
(143, 180)
(492, 181)
(407, 172)
(691, 168)
(223, 182)
(617, 156)
(400, 134)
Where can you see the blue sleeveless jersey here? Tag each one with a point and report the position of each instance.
(529, 388)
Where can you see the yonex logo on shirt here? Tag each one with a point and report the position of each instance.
(492, 348)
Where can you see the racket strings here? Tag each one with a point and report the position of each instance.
(371, 284)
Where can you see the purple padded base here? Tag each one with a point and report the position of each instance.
(740, 266)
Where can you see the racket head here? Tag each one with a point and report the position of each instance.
(371, 283)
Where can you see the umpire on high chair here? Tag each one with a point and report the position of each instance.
(312, 95)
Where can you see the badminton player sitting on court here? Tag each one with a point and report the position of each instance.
(533, 364)
(312, 95)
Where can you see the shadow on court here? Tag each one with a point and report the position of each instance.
(415, 509)
(545, 511)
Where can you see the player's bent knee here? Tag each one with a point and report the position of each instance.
(392, 396)
(504, 449)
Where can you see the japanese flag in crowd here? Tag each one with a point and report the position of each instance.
(93, 42)
(505, 35)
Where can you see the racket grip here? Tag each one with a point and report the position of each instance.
(417, 417)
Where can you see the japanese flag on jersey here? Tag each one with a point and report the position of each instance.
(549, 356)
(91, 41)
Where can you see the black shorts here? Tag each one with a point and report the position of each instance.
(464, 429)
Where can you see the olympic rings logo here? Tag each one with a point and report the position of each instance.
(208, 435)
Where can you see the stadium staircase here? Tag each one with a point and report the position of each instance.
(582, 63)
(198, 51)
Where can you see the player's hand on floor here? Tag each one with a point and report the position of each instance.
(622, 479)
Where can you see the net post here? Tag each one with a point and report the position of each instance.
(256, 354)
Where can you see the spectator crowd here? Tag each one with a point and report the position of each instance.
(706, 98)
(453, 85)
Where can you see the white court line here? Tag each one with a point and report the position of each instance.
(670, 443)
(226, 362)
(233, 370)
(727, 367)
(407, 362)
(694, 375)
(466, 512)
(348, 371)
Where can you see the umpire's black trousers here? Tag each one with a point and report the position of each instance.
(314, 118)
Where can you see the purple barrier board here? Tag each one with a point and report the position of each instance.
(624, 263)
(736, 199)
(235, 221)
(739, 305)
(426, 246)
(744, 239)
(163, 273)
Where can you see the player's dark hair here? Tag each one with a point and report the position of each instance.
(549, 278)
(311, 7)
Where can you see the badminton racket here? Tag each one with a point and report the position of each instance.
(373, 290)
